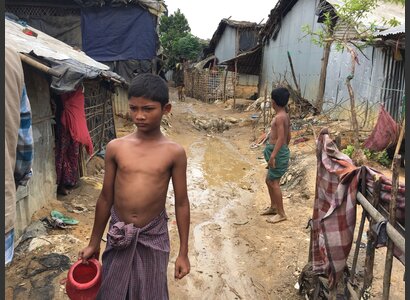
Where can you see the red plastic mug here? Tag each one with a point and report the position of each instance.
(84, 280)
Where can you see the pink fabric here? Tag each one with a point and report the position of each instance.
(73, 118)
(334, 211)
(385, 132)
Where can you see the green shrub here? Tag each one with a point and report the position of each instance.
(379, 156)
(349, 150)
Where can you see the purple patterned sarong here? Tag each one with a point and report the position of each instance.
(135, 260)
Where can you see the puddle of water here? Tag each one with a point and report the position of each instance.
(222, 164)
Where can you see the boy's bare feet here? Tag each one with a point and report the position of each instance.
(269, 211)
(276, 219)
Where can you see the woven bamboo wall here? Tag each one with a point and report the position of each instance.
(99, 113)
(207, 85)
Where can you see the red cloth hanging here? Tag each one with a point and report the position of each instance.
(385, 132)
(73, 118)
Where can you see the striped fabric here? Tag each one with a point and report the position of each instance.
(25, 144)
(135, 261)
(9, 246)
(334, 211)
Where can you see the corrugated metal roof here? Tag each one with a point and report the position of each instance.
(393, 31)
(44, 45)
(384, 11)
(221, 28)
(68, 66)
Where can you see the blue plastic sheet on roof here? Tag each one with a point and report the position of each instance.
(118, 33)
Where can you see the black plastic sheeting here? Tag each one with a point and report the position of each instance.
(73, 73)
(128, 69)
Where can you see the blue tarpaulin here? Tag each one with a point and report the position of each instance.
(118, 33)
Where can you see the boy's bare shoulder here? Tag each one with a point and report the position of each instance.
(174, 148)
(115, 143)
(282, 117)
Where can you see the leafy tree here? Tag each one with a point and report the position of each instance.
(346, 18)
(177, 40)
(187, 47)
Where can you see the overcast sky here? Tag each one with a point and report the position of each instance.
(204, 16)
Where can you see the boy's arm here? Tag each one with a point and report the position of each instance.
(182, 212)
(103, 206)
(289, 134)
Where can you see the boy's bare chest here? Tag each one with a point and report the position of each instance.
(148, 161)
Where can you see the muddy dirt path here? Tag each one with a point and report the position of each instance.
(234, 252)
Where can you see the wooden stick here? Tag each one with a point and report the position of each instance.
(360, 233)
(371, 238)
(392, 232)
(392, 220)
(293, 74)
(352, 291)
(32, 62)
(402, 130)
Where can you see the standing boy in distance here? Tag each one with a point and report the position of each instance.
(138, 168)
(277, 154)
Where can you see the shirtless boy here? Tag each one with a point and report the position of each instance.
(277, 154)
(138, 168)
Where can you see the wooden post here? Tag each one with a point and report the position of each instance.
(359, 236)
(371, 238)
(392, 220)
(264, 107)
(82, 170)
(234, 84)
(293, 75)
(226, 75)
(322, 78)
(355, 125)
(32, 62)
(103, 124)
(396, 151)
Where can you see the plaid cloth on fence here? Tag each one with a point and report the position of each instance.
(334, 211)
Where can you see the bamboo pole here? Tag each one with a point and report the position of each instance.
(393, 234)
(402, 130)
(293, 74)
(392, 220)
(352, 291)
(226, 75)
(358, 241)
(103, 122)
(371, 237)
(234, 84)
(32, 62)
(265, 97)
(359, 235)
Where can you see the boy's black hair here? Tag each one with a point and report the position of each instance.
(149, 86)
(280, 96)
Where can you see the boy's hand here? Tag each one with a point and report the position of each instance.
(271, 163)
(182, 266)
(87, 253)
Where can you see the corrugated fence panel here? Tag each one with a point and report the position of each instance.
(120, 99)
(305, 55)
(378, 79)
(226, 46)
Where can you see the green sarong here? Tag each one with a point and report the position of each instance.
(281, 160)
